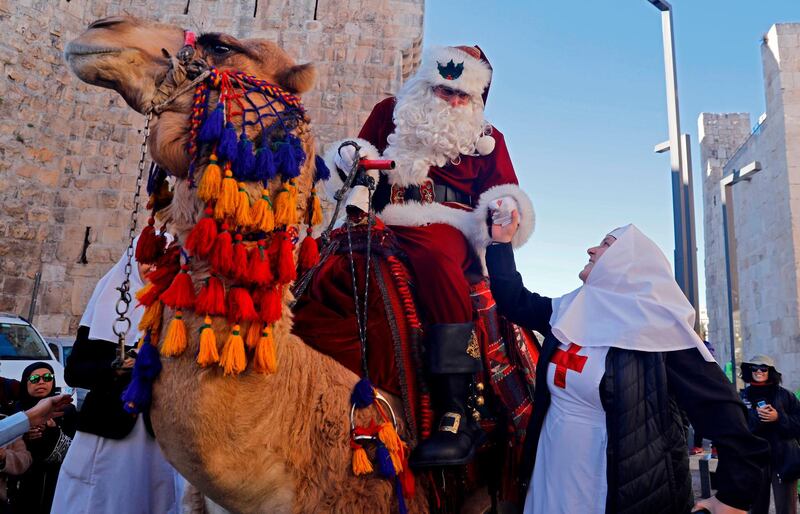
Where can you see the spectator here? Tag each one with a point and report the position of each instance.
(15, 459)
(9, 395)
(47, 442)
(774, 414)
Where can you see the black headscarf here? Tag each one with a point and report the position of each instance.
(26, 401)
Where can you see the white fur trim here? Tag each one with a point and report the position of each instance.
(473, 79)
(479, 235)
(485, 145)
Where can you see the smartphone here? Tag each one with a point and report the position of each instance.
(761, 404)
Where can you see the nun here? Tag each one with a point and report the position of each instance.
(114, 463)
(619, 359)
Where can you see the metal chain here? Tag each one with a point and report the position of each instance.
(122, 324)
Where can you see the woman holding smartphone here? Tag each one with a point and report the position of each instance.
(774, 414)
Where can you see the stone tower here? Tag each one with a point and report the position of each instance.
(68, 151)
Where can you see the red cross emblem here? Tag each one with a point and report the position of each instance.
(565, 360)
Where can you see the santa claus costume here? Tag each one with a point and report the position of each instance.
(450, 165)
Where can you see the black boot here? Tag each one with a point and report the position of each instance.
(453, 359)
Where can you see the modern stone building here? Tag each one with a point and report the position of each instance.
(751, 197)
(68, 151)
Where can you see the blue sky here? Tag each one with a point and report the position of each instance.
(579, 93)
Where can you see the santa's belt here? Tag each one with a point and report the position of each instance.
(429, 192)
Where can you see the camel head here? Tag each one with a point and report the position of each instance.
(132, 56)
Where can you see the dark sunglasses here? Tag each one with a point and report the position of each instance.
(449, 92)
(762, 368)
(34, 379)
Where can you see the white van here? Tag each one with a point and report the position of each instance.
(21, 345)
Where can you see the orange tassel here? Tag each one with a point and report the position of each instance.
(361, 463)
(316, 208)
(144, 292)
(262, 216)
(175, 342)
(210, 185)
(265, 360)
(243, 218)
(286, 204)
(253, 333)
(208, 345)
(226, 203)
(233, 359)
(151, 319)
(388, 436)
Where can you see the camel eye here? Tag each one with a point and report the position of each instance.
(220, 49)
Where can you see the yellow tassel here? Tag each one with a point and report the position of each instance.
(208, 345)
(389, 437)
(233, 359)
(139, 343)
(175, 342)
(243, 218)
(264, 360)
(286, 205)
(211, 184)
(397, 462)
(361, 463)
(253, 333)
(226, 203)
(316, 208)
(151, 319)
(262, 216)
(143, 291)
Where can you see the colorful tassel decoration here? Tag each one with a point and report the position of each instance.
(211, 299)
(262, 217)
(309, 253)
(322, 172)
(258, 269)
(151, 245)
(180, 294)
(361, 463)
(208, 354)
(287, 271)
(384, 460)
(271, 305)
(175, 341)
(226, 203)
(201, 238)
(221, 256)
(286, 205)
(211, 129)
(139, 393)
(253, 334)
(315, 208)
(265, 164)
(397, 462)
(145, 292)
(239, 267)
(233, 359)
(242, 212)
(245, 160)
(388, 436)
(363, 394)
(210, 186)
(228, 147)
(407, 482)
(151, 319)
(240, 306)
(264, 359)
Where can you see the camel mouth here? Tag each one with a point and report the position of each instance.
(81, 50)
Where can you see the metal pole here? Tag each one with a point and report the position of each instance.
(690, 236)
(731, 275)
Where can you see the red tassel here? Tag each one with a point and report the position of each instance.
(221, 257)
(287, 271)
(211, 300)
(239, 267)
(407, 482)
(201, 238)
(180, 294)
(258, 270)
(240, 306)
(309, 253)
(270, 304)
(150, 246)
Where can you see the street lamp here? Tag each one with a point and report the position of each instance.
(679, 159)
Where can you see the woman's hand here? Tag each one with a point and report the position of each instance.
(35, 433)
(767, 414)
(714, 506)
(505, 233)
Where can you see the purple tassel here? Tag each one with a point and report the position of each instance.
(385, 466)
(227, 148)
(265, 164)
(211, 129)
(245, 160)
(363, 394)
(139, 393)
(287, 160)
(401, 502)
(322, 173)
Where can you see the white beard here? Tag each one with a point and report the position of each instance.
(429, 132)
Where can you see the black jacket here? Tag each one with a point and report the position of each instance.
(647, 467)
(89, 367)
(781, 434)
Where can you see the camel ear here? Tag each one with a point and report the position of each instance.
(299, 78)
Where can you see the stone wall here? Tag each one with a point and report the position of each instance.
(68, 151)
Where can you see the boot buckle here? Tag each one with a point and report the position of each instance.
(450, 422)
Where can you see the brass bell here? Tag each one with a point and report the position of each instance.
(480, 401)
(479, 386)
(476, 415)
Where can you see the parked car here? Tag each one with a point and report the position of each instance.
(61, 348)
(20, 345)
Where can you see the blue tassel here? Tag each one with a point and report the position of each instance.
(401, 502)
(245, 160)
(287, 161)
(139, 393)
(227, 148)
(385, 466)
(322, 173)
(265, 164)
(211, 129)
(363, 394)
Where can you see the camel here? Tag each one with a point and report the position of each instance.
(253, 443)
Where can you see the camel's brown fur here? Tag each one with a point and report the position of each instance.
(252, 443)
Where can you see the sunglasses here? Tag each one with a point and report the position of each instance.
(448, 92)
(34, 379)
(761, 368)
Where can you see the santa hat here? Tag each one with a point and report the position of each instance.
(456, 67)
